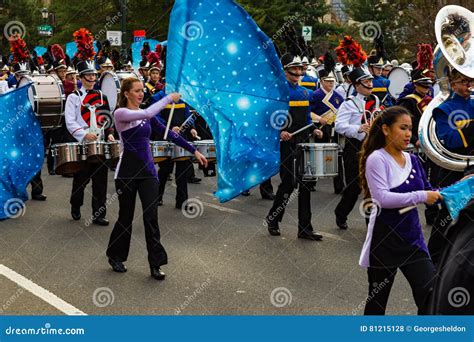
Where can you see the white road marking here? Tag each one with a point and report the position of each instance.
(220, 208)
(40, 292)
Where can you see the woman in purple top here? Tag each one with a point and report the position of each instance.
(136, 173)
(394, 179)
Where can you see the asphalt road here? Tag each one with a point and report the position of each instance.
(222, 262)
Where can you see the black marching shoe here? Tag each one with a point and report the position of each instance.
(194, 180)
(157, 273)
(38, 197)
(76, 213)
(117, 266)
(312, 236)
(245, 193)
(341, 224)
(273, 227)
(100, 221)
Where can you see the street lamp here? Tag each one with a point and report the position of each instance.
(45, 14)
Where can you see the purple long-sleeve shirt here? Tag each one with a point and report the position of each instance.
(392, 187)
(134, 128)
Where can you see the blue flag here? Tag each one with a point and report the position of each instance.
(458, 195)
(21, 150)
(228, 70)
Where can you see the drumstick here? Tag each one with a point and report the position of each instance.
(186, 121)
(300, 130)
(169, 121)
(406, 209)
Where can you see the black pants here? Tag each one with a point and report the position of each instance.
(119, 243)
(420, 276)
(352, 190)
(98, 173)
(181, 175)
(285, 189)
(37, 185)
(266, 188)
(438, 239)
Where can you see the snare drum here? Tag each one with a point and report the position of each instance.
(160, 150)
(96, 151)
(68, 158)
(207, 148)
(47, 98)
(318, 161)
(113, 153)
(180, 154)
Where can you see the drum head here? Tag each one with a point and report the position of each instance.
(110, 86)
(25, 80)
(398, 77)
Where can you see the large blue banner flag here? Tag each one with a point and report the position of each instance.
(228, 70)
(21, 150)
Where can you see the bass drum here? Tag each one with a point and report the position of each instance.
(398, 78)
(110, 83)
(110, 87)
(47, 98)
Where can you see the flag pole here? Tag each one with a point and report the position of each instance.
(169, 121)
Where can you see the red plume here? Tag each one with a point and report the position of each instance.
(18, 48)
(154, 58)
(424, 57)
(349, 52)
(158, 49)
(85, 44)
(58, 52)
(40, 61)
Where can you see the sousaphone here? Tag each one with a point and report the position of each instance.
(455, 50)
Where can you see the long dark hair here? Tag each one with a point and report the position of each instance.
(376, 140)
(127, 85)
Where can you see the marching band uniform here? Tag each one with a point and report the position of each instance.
(409, 88)
(136, 173)
(152, 87)
(343, 89)
(308, 81)
(78, 123)
(180, 115)
(460, 140)
(299, 117)
(381, 84)
(390, 245)
(350, 116)
(326, 104)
